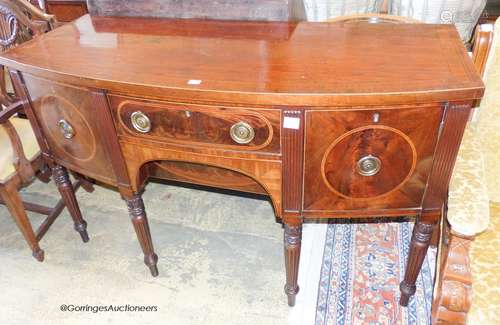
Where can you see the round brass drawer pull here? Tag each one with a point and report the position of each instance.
(369, 165)
(66, 129)
(140, 122)
(242, 133)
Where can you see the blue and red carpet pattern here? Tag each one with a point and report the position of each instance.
(363, 264)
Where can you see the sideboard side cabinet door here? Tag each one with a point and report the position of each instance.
(68, 118)
(369, 158)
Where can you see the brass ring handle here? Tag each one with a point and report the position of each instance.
(242, 133)
(66, 129)
(368, 166)
(140, 122)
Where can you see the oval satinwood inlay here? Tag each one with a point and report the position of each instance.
(395, 152)
(82, 145)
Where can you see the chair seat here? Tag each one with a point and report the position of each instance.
(468, 201)
(28, 140)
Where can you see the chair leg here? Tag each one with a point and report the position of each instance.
(44, 174)
(14, 204)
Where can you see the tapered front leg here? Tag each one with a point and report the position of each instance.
(292, 241)
(139, 220)
(61, 178)
(421, 238)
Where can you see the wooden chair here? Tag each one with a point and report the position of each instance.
(466, 289)
(40, 4)
(20, 158)
(374, 19)
(19, 21)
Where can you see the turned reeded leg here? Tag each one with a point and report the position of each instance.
(140, 221)
(421, 238)
(61, 178)
(292, 241)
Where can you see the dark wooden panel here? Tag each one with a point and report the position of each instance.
(277, 10)
(85, 151)
(198, 124)
(401, 140)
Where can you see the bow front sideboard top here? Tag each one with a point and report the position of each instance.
(328, 120)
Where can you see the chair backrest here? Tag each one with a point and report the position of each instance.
(321, 10)
(374, 19)
(464, 14)
(20, 21)
(483, 41)
(488, 120)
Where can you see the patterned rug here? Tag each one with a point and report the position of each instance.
(362, 267)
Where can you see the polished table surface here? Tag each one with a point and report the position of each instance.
(328, 119)
(268, 63)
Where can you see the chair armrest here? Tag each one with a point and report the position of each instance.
(36, 13)
(29, 16)
(10, 110)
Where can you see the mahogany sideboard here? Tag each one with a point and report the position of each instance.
(329, 120)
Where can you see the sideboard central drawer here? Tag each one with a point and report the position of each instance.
(249, 129)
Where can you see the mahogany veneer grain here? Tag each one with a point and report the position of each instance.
(319, 97)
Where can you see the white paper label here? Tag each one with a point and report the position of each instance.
(291, 123)
(194, 82)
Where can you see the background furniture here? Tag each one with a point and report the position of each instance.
(63, 10)
(467, 278)
(21, 157)
(66, 10)
(320, 10)
(268, 10)
(464, 14)
(374, 19)
(491, 12)
(236, 107)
